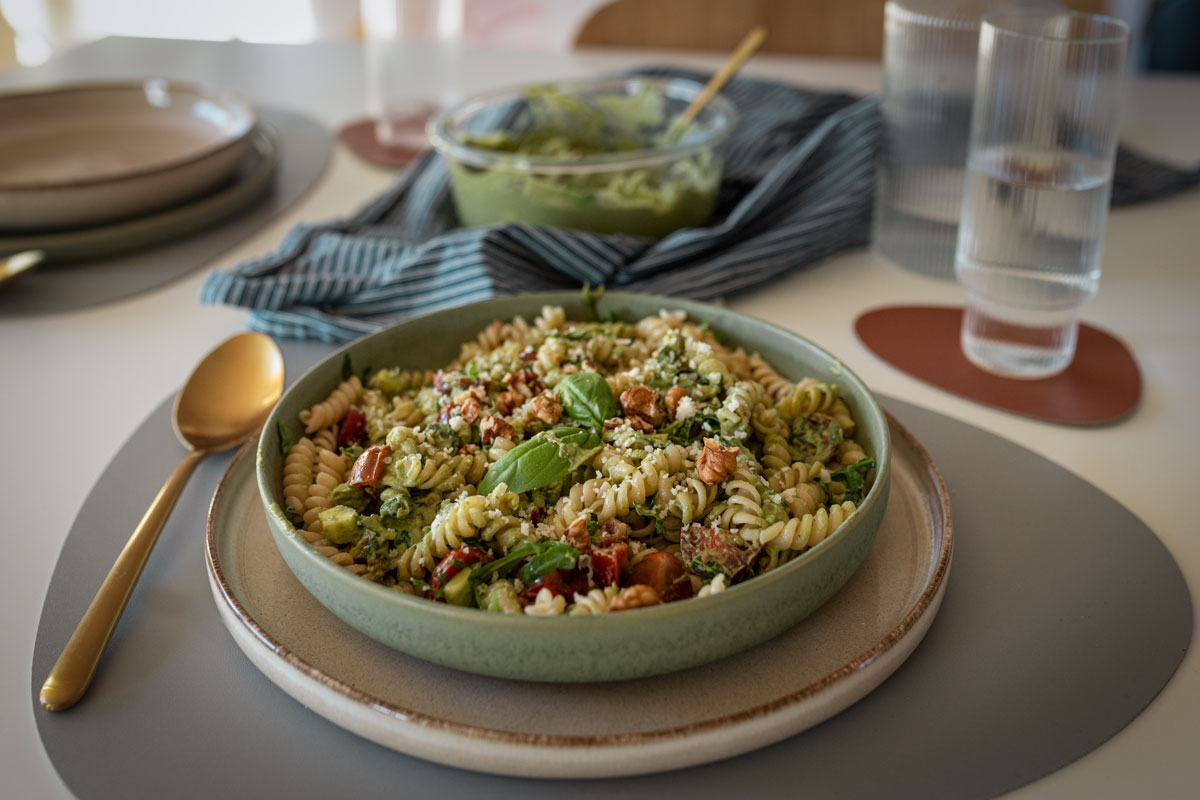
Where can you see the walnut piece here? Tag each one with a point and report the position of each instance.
(676, 394)
(577, 535)
(471, 408)
(507, 402)
(716, 463)
(493, 428)
(637, 596)
(638, 401)
(546, 408)
(615, 529)
(525, 382)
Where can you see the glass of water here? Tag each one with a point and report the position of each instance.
(1039, 173)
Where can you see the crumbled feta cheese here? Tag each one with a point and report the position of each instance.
(686, 408)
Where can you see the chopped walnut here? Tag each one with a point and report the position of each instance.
(716, 463)
(546, 408)
(638, 401)
(507, 402)
(474, 390)
(613, 531)
(676, 394)
(493, 428)
(446, 412)
(528, 354)
(538, 515)
(471, 408)
(637, 596)
(577, 535)
(525, 382)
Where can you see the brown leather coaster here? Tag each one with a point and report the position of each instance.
(359, 137)
(1102, 384)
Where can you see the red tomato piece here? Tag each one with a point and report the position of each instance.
(717, 547)
(662, 572)
(609, 562)
(354, 426)
(555, 581)
(455, 562)
(369, 467)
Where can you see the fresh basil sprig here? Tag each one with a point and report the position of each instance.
(854, 478)
(556, 555)
(543, 558)
(587, 398)
(541, 460)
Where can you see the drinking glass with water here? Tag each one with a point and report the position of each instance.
(1039, 173)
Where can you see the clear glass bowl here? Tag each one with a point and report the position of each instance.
(648, 187)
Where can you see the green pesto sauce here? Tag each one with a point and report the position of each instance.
(647, 201)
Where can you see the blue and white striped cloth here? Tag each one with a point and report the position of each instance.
(798, 187)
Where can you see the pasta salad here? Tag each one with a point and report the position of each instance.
(574, 467)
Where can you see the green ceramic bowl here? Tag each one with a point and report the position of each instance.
(629, 644)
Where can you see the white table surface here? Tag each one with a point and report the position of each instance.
(77, 384)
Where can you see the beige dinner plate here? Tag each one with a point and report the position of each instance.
(777, 689)
(90, 153)
(251, 180)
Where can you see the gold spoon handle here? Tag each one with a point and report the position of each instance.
(73, 671)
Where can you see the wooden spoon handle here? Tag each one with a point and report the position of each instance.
(73, 671)
(744, 50)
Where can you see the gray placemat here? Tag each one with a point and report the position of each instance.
(1063, 618)
(304, 152)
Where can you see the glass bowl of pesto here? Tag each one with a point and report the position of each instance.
(598, 155)
(571, 646)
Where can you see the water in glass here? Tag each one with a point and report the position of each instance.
(1029, 255)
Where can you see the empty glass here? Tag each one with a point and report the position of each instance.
(1039, 173)
(930, 50)
(403, 91)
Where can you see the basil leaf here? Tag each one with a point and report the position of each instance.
(541, 460)
(854, 478)
(503, 564)
(587, 398)
(286, 438)
(557, 555)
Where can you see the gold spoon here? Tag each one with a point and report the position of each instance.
(14, 265)
(226, 399)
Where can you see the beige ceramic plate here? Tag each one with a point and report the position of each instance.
(86, 154)
(252, 179)
(764, 694)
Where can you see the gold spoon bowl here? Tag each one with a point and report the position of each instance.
(225, 400)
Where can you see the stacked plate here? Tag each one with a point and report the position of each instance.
(92, 169)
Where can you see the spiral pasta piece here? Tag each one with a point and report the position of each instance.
(596, 601)
(776, 386)
(298, 476)
(546, 604)
(810, 530)
(809, 397)
(329, 470)
(332, 408)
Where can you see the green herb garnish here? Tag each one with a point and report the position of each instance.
(587, 398)
(540, 461)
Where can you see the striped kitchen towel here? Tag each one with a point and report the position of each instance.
(798, 187)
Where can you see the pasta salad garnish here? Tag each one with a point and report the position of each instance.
(568, 467)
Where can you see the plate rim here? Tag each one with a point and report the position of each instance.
(225, 97)
(927, 603)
